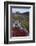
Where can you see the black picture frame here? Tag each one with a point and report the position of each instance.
(6, 41)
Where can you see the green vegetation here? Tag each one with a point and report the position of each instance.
(16, 17)
(25, 24)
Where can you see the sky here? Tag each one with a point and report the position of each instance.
(20, 10)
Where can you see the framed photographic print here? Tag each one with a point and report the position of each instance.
(19, 22)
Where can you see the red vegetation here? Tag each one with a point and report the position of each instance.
(18, 32)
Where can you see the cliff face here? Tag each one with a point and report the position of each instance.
(16, 29)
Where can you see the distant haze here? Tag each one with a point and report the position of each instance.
(20, 10)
